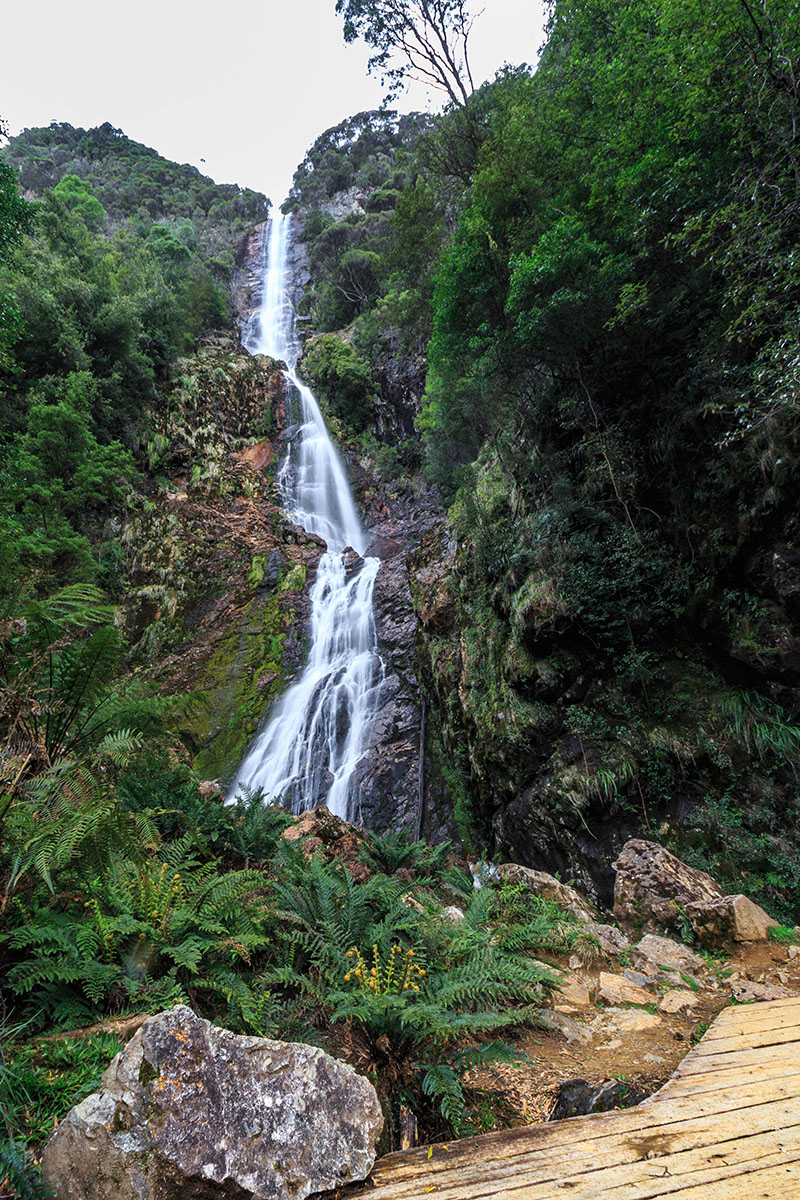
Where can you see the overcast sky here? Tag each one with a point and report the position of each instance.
(246, 85)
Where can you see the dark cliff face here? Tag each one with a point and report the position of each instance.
(390, 780)
(247, 283)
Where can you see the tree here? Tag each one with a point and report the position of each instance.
(15, 219)
(421, 40)
(77, 194)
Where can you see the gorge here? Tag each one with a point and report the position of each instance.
(541, 603)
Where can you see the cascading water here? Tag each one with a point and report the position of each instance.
(319, 729)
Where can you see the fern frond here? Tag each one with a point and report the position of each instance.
(441, 1083)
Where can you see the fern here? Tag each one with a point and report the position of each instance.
(441, 1083)
(139, 924)
(394, 849)
(761, 724)
(18, 1173)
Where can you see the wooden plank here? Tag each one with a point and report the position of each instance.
(771, 1183)
(748, 1038)
(660, 1176)
(663, 1179)
(782, 1002)
(742, 1057)
(736, 1077)
(752, 1016)
(549, 1162)
(511, 1144)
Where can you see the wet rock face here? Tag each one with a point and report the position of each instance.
(247, 283)
(386, 781)
(191, 1110)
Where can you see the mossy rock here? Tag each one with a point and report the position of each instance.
(245, 675)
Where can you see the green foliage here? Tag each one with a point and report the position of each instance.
(410, 987)
(785, 935)
(78, 196)
(364, 150)
(349, 258)
(15, 221)
(243, 832)
(147, 931)
(607, 405)
(341, 378)
(134, 183)
(19, 1172)
(59, 480)
(42, 1080)
(390, 851)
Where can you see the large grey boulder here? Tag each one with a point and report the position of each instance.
(729, 919)
(191, 1110)
(653, 887)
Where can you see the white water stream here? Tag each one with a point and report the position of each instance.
(319, 729)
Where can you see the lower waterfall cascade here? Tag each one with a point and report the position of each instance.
(319, 729)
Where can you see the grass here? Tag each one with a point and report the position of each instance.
(42, 1080)
(786, 935)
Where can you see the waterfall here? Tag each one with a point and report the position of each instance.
(319, 729)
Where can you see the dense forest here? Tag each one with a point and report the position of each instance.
(563, 316)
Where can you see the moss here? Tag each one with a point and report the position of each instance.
(147, 1073)
(295, 580)
(257, 567)
(244, 675)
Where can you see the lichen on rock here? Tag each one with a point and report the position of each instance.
(188, 1109)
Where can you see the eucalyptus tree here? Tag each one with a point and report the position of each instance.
(414, 40)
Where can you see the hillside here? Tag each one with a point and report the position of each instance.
(134, 184)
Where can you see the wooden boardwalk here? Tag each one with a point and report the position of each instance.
(725, 1127)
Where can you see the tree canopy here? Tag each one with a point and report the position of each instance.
(414, 40)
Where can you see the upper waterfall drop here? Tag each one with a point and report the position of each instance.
(312, 478)
(319, 730)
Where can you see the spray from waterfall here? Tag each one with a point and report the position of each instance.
(319, 730)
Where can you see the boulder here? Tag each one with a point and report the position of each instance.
(320, 831)
(611, 939)
(578, 1098)
(616, 989)
(626, 1020)
(571, 996)
(744, 991)
(551, 888)
(191, 1110)
(556, 1022)
(211, 789)
(678, 1000)
(729, 919)
(653, 887)
(660, 953)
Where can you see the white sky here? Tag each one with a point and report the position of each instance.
(246, 85)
